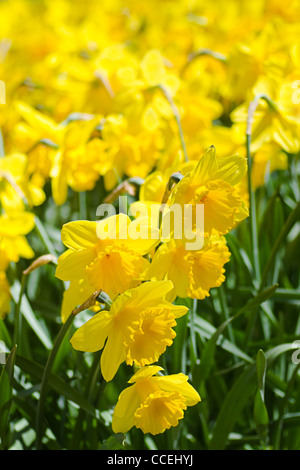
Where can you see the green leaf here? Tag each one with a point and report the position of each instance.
(206, 330)
(44, 384)
(55, 382)
(260, 415)
(209, 349)
(261, 366)
(6, 391)
(238, 396)
(115, 442)
(4, 333)
(291, 220)
(26, 310)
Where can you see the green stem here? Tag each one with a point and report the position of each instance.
(44, 236)
(89, 392)
(252, 203)
(291, 220)
(103, 298)
(279, 429)
(18, 317)
(252, 214)
(224, 309)
(201, 53)
(82, 205)
(44, 383)
(193, 349)
(177, 118)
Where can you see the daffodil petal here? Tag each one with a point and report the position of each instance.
(91, 336)
(123, 417)
(144, 373)
(113, 355)
(206, 167)
(231, 169)
(179, 383)
(79, 234)
(72, 264)
(150, 292)
(77, 292)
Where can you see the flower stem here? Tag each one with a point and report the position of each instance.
(18, 317)
(252, 210)
(177, 118)
(43, 390)
(44, 236)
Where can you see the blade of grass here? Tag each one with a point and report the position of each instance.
(177, 118)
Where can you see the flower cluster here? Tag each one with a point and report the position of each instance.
(98, 96)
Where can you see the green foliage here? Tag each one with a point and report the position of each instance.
(236, 346)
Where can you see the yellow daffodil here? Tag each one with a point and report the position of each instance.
(274, 120)
(16, 185)
(192, 272)
(138, 328)
(77, 293)
(270, 157)
(153, 403)
(13, 228)
(108, 255)
(212, 183)
(155, 188)
(73, 157)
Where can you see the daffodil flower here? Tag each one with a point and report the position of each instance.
(13, 243)
(275, 123)
(108, 254)
(16, 186)
(212, 183)
(138, 328)
(72, 158)
(153, 403)
(192, 272)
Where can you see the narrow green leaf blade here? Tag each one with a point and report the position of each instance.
(261, 366)
(260, 415)
(57, 384)
(238, 396)
(6, 391)
(30, 316)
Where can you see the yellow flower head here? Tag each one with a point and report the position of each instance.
(16, 185)
(212, 183)
(13, 244)
(275, 121)
(108, 254)
(153, 403)
(138, 328)
(192, 272)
